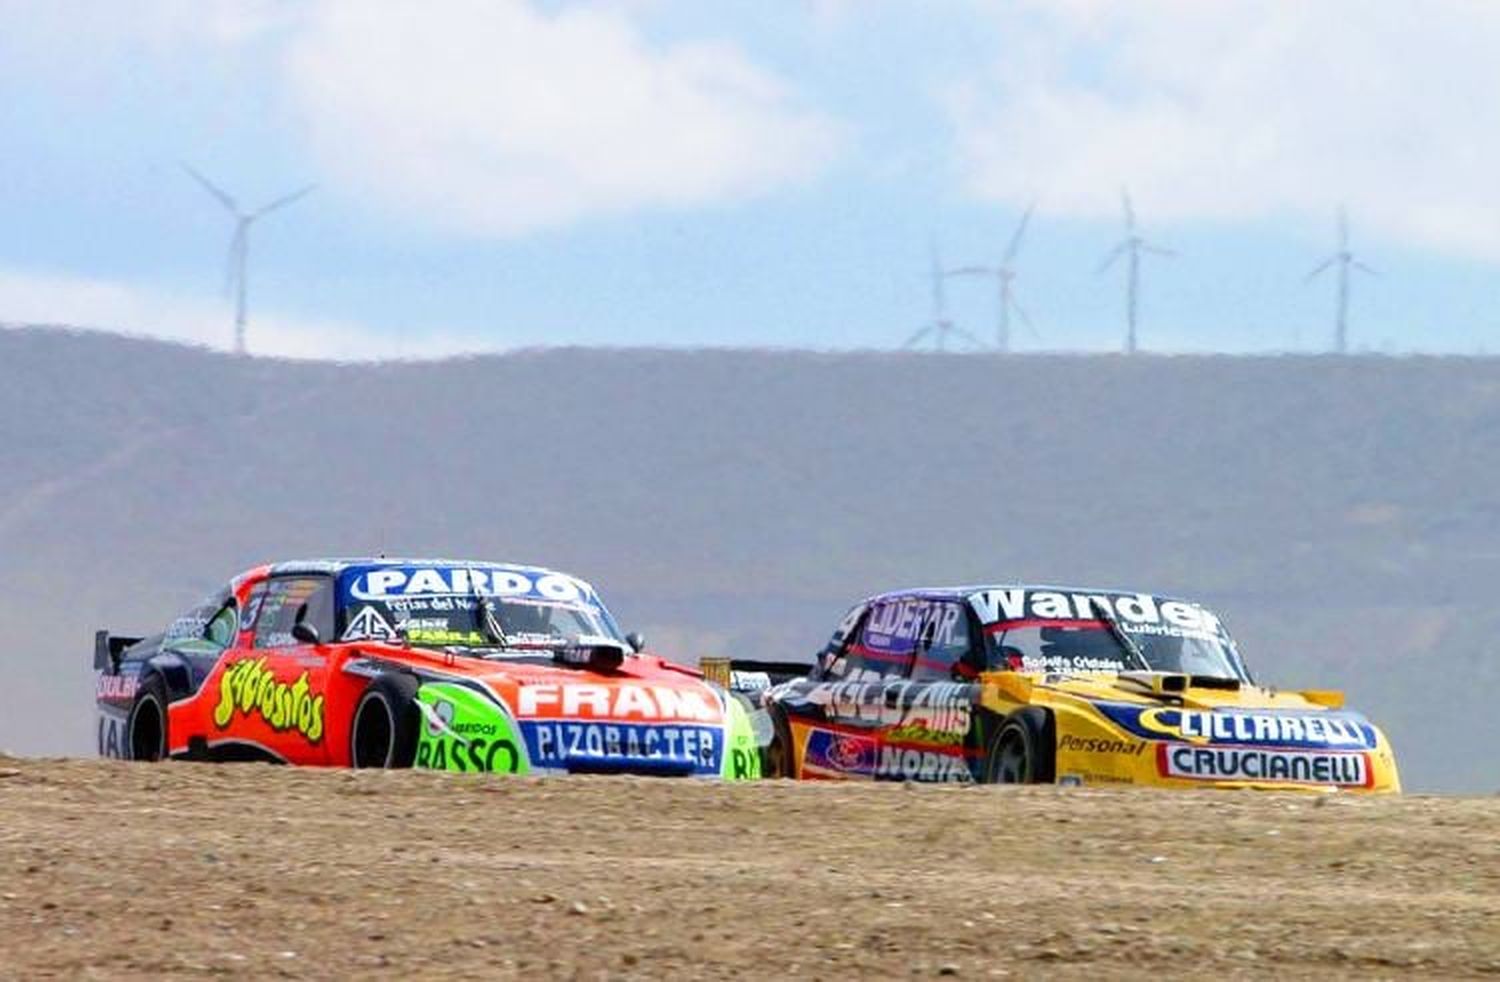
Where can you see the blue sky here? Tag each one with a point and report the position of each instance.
(494, 175)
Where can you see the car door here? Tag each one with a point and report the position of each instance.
(268, 693)
(184, 655)
(837, 721)
(926, 713)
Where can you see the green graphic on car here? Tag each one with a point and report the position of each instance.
(463, 731)
(742, 751)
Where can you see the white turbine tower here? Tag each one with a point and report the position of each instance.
(1132, 247)
(239, 245)
(1345, 261)
(1005, 276)
(940, 328)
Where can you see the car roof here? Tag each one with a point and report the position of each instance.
(965, 592)
(334, 567)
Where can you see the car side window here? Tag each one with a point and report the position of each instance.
(943, 644)
(832, 660)
(288, 599)
(222, 627)
(202, 630)
(886, 641)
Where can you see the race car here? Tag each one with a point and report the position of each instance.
(459, 666)
(1040, 684)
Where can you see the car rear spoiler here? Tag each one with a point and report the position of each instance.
(108, 649)
(748, 675)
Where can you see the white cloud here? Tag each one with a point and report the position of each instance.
(64, 300)
(89, 40)
(494, 118)
(1241, 109)
(488, 117)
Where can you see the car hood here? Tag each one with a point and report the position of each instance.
(567, 720)
(1163, 706)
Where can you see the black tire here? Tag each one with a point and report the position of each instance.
(779, 758)
(383, 729)
(1024, 750)
(146, 726)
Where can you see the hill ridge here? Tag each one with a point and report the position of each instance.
(1340, 513)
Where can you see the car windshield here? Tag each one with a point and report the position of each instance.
(458, 621)
(1061, 645)
(445, 607)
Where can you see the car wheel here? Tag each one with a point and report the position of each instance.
(1022, 751)
(146, 727)
(780, 758)
(383, 730)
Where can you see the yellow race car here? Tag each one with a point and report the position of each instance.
(1033, 684)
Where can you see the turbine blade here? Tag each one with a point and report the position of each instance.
(917, 338)
(1157, 250)
(970, 271)
(1015, 239)
(283, 201)
(1114, 254)
(1129, 209)
(1363, 268)
(1319, 269)
(1025, 319)
(212, 188)
(1343, 229)
(966, 335)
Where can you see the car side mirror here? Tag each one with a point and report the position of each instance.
(306, 633)
(637, 641)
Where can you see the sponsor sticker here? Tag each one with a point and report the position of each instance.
(1135, 612)
(187, 626)
(1070, 663)
(1200, 763)
(1101, 745)
(937, 708)
(482, 755)
(248, 689)
(839, 753)
(742, 753)
(749, 681)
(625, 702)
(1246, 727)
(387, 582)
(440, 719)
(895, 626)
(561, 743)
(909, 764)
(111, 736)
(116, 688)
(368, 624)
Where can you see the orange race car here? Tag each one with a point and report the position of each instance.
(461, 666)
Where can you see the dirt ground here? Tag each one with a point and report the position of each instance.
(141, 870)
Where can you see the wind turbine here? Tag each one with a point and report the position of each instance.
(1346, 261)
(940, 327)
(239, 245)
(1132, 247)
(1005, 276)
